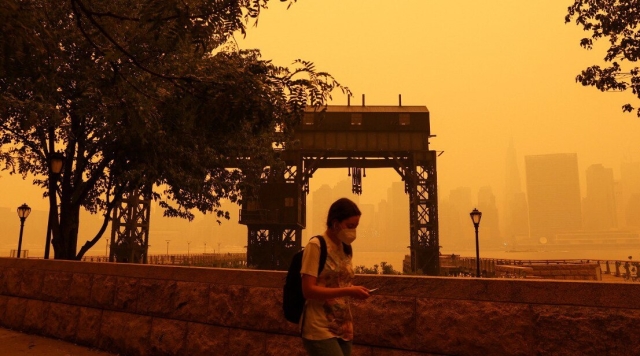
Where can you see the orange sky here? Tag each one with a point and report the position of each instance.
(489, 71)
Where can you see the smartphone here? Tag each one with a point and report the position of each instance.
(373, 290)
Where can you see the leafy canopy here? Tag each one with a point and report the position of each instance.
(617, 21)
(148, 96)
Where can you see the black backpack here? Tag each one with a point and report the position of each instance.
(292, 297)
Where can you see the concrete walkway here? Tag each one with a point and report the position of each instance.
(17, 343)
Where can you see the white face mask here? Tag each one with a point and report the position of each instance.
(347, 235)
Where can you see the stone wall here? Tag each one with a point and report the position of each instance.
(513, 271)
(563, 271)
(162, 310)
(580, 271)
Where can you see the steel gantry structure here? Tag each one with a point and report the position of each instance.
(357, 138)
(130, 229)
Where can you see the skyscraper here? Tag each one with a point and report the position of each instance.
(630, 193)
(398, 210)
(553, 190)
(599, 208)
(321, 200)
(490, 236)
(456, 227)
(516, 212)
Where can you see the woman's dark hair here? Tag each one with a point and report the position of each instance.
(341, 210)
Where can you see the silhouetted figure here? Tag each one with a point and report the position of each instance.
(627, 274)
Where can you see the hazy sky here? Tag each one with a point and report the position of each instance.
(489, 71)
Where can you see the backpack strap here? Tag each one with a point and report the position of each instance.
(323, 260)
(323, 253)
(348, 250)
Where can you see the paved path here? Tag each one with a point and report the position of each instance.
(17, 343)
(612, 278)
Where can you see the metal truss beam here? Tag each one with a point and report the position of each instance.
(272, 247)
(130, 229)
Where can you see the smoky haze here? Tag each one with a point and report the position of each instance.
(498, 78)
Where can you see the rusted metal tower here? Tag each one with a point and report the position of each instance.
(354, 137)
(130, 229)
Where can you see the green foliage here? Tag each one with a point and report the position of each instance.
(618, 22)
(382, 268)
(388, 269)
(146, 96)
(366, 270)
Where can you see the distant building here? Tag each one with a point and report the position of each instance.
(456, 228)
(344, 189)
(490, 236)
(367, 227)
(321, 199)
(383, 221)
(630, 194)
(553, 190)
(599, 207)
(516, 211)
(397, 237)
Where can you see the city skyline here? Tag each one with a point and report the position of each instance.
(385, 215)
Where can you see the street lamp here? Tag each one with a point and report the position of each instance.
(56, 160)
(167, 247)
(188, 245)
(475, 217)
(23, 212)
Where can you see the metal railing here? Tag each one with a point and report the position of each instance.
(456, 266)
(227, 260)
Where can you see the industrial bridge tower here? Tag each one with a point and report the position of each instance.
(354, 137)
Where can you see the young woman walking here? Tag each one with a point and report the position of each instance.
(327, 326)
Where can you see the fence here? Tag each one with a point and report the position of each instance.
(456, 266)
(228, 260)
(450, 265)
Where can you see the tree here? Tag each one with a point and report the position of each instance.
(366, 270)
(388, 269)
(147, 96)
(618, 21)
(382, 268)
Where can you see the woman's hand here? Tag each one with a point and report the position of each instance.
(313, 291)
(359, 292)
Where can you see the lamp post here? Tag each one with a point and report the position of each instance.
(23, 212)
(167, 247)
(475, 217)
(188, 245)
(56, 160)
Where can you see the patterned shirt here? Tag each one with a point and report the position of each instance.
(325, 319)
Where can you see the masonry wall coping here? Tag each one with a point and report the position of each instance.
(525, 291)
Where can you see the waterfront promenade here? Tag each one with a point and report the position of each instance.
(15, 343)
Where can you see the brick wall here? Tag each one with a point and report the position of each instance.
(163, 310)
